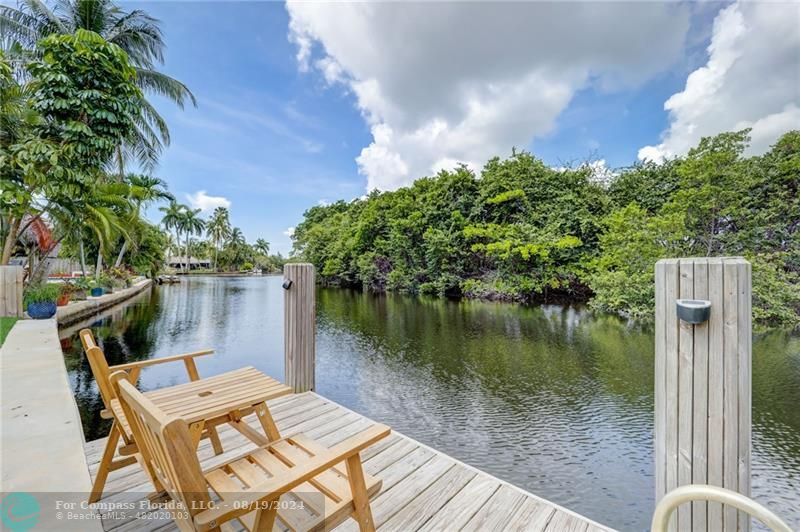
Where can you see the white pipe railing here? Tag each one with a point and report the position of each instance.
(694, 492)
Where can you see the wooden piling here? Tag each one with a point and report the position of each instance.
(703, 387)
(299, 326)
(11, 291)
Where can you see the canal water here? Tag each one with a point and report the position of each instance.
(554, 399)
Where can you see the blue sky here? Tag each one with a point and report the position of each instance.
(288, 97)
(270, 140)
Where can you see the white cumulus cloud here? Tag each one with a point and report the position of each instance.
(751, 80)
(201, 200)
(289, 232)
(443, 83)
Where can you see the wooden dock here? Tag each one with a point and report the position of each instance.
(423, 489)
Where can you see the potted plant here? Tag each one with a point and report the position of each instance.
(119, 279)
(40, 300)
(100, 285)
(83, 285)
(65, 293)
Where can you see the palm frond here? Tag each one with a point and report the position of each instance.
(143, 143)
(89, 14)
(47, 18)
(156, 122)
(19, 26)
(163, 85)
(140, 35)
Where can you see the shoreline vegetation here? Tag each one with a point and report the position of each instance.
(522, 231)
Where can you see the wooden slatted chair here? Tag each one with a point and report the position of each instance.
(120, 428)
(293, 483)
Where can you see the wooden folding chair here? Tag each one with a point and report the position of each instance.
(120, 428)
(293, 483)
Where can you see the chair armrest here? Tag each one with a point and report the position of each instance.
(160, 360)
(701, 492)
(273, 488)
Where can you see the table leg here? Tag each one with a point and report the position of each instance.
(248, 432)
(196, 432)
(267, 423)
(213, 435)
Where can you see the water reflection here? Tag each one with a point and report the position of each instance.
(554, 399)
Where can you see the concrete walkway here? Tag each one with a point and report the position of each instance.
(41, 441)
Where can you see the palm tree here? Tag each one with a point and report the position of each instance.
(218, 229)
(237, 238)
(262, 246)
(173, 213)
(236, 243)
(134, 31)
(103, 211)
(190, 224)
(144, 189)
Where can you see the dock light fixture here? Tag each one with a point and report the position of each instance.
(287, 284)
(693, 311)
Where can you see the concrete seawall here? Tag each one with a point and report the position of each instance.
(78, 310)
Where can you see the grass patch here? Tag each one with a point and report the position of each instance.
(5, 327)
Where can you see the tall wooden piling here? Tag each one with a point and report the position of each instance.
(299, 326)
(703, 387)
(11, 291)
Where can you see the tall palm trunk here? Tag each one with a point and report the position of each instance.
(83, 258)
(216, 250)
(177, 246)
(99, 266)
(186, 255)
(120, 164)
(121, 253)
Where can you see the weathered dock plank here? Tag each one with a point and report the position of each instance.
(531, 515)
(498, 510)
(422, 488)
(460, 509)
(563, 522)
(430, 501)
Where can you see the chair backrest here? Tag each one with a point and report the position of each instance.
(165, 445)
(99, 365)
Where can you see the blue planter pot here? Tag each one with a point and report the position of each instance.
(97, 292)
(42, 311)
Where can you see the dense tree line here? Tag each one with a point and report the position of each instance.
(523, 231)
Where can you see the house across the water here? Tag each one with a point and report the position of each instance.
(179, 263)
